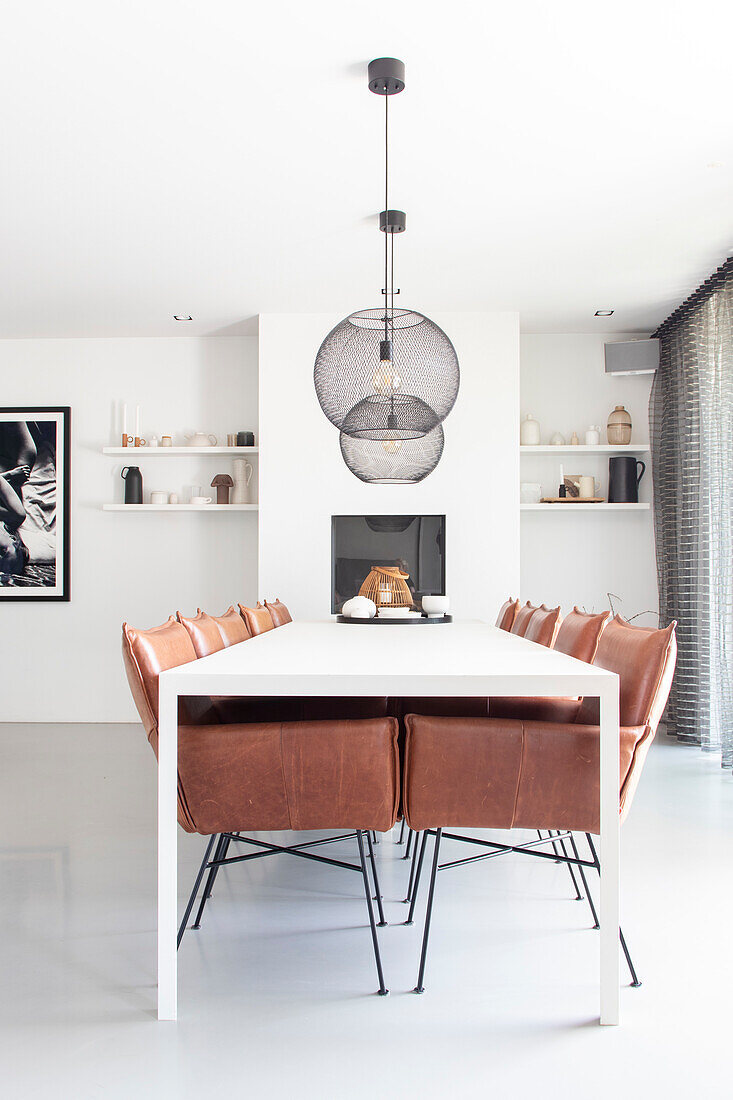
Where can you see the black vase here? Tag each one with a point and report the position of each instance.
(623, 480)
(133, 484)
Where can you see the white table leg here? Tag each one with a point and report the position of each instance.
(167, 851)
(610, 856)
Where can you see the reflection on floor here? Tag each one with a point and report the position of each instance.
(277, 988)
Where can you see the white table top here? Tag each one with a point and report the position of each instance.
(329, 658)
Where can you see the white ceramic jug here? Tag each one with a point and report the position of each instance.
(201, 439)
(529, 432)
(242, 476)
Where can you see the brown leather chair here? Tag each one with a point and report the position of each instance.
(507, 614)
(504, 774)
(543, 626)
(258, 619)
(580, 633)
(522, 619)
(578, 636)
(278, 612)
(241, 777)
(204, 633)
(232, 627)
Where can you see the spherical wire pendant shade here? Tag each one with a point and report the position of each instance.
(386, 374)
(393, 462)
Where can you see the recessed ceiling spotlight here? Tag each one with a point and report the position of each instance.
(604, 313)
(182, 317)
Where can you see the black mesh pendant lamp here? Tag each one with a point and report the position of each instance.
(386, 377)
(393, 462)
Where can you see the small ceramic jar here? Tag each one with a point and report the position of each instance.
(618, 429)
(593, 436)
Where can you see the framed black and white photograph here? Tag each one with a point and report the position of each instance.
(35, 496)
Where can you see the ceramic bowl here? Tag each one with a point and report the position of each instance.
(435, 606)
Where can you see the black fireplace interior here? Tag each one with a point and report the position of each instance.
(414, 543)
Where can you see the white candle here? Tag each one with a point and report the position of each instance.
(124, 418)
(137, 422)
(562, 475)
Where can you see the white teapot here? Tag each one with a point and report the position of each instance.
(201, 439)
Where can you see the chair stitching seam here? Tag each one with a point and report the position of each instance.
(282, 772)
(519, 780)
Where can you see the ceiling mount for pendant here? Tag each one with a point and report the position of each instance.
(392, 221)
(386, 76)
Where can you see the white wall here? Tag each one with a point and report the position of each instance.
(303, 479)
(61, 662)
(567, 558)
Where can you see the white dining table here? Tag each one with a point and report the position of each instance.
(357, 659)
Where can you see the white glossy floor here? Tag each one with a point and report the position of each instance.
(276, 989)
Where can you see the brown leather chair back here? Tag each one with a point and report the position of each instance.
(580, 633)
(278, 612)
(203, 632)
(146, 654)
(232, 627)
(507, 614)
(290, 775)
(543, 625)
(523, 616)
(644, 661)
(258, 619)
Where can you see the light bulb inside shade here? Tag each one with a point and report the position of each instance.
(392, 446)
(385, 379)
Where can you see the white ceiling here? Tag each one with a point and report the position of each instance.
(225, 159)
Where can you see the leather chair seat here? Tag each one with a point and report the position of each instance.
(535, 707)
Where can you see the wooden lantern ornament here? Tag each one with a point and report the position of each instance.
(386, 585)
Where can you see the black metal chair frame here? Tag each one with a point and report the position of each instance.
(221, 859)
(559, 854)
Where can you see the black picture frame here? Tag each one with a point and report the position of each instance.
(39, 417)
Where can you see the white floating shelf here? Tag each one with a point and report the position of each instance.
(604, 507)
(584, 449)
(149, 452)
(180, 507)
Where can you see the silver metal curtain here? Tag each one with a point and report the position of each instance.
(691, 424)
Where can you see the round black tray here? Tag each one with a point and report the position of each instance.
(391, 620)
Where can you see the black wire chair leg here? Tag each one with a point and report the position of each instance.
(224, 850)
(413, 899)
(377, 891)
(194, 892)
(555, 848)
(411, 881)
(420, 988)
(634, 979)
(402, 832)
(368, 893)
(209, 881)
(578, 895)
(584, 880)
(408, 849)
(375, 838)
(627, 955)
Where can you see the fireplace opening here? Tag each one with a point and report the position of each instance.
(413, 544)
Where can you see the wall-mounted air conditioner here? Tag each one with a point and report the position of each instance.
(632, 357)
